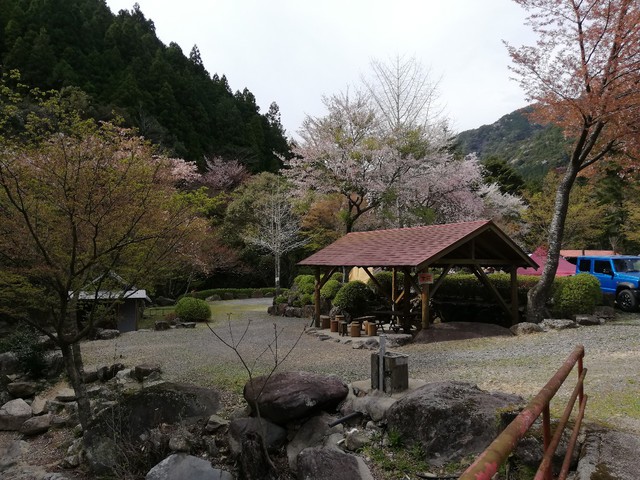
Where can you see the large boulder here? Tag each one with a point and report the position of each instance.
(312, 433)
(558, 324)
(185, 466)
(322, 463)
(450, 420)
(54, 363)
(526, 328)
(290, 396)
(9, 364)
(140, 411)
(14, 413)
(36, 425)
(608, 454)
(239, 428)
(22, 389)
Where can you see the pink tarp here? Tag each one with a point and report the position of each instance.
(540, 257)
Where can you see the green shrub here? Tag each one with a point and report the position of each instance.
(24, 342)
(190, 309)
(280, 299)
(577, 294)
(305, 283)
(354, 297)
(306, 299)
(338, 277)
(330, 289)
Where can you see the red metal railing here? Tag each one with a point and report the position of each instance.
(487, 464)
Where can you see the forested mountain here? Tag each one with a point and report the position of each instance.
(531, 149)
(124, 69)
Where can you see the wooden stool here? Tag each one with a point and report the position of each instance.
(343, 328)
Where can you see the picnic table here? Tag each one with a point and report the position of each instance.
(394, 318)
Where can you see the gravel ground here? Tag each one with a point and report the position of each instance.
(520, 365)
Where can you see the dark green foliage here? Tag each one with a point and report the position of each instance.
(330, 289)
(571, 295)
(577, 294)
(19, 298)
(337, 277)
(24, 342)
(466, 287)
(306, 299)
(498, 171)
(248, 292)
(124, 68)
(190, 309)
(280, 299)
(354, 297)
(305, 283)
(385, 279)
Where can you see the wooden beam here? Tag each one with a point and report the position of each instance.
(394, 287)
(438, 282)
(424, 294)
(487, 283)
(389, 295)
(327, 276)
(318, 284)
(414, 282)
(406, 310)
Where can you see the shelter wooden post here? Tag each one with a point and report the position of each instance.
(425, 305)
(515, 317)
(406, 308)
(316, 299)
(394, 287)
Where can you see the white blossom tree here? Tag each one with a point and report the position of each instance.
(276, 227)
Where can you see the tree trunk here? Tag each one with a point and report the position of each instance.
(539, 295)
(75, 371)
(277, 277)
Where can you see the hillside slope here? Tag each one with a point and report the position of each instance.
(115, 65)
(531, 149)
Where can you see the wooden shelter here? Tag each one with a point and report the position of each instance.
(415, 250)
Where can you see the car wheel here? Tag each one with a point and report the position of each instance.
(626, 301)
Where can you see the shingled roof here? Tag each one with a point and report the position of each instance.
(480, 242)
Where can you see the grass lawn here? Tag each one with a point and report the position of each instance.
(220, 310)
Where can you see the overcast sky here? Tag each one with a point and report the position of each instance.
(295, 51)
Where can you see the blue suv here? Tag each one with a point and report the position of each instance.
(619, 275)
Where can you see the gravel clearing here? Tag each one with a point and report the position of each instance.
(520, 365)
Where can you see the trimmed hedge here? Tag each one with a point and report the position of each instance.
(204, 294)
(466, 287)
(190, 309)
(570, 295)
(578, 294)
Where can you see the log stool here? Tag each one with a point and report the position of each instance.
(344, 326)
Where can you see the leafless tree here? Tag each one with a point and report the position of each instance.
(405, 95)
